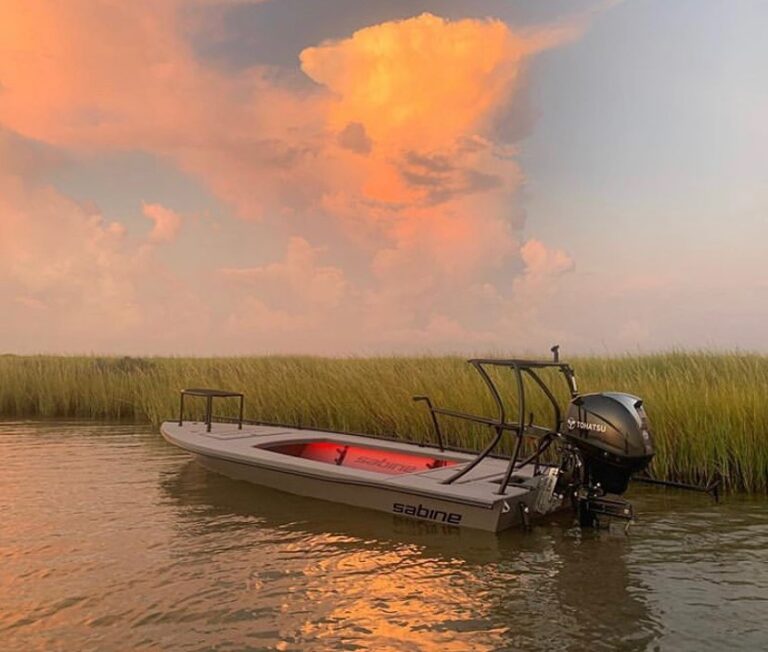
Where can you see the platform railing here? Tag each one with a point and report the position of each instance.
(521, 429)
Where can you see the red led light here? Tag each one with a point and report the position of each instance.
(378, 460)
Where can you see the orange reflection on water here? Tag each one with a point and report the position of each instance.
(398, 598)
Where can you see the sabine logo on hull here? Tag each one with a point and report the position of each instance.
(424, 512)
(584, 425)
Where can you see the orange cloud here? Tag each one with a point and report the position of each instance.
(421, 83)
(421, 94)
(394, 152)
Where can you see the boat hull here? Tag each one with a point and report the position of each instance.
(391, 501)
(473, 502)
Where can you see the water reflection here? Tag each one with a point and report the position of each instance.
(110, 539)
(372, 576)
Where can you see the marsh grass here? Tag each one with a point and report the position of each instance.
(709, 412)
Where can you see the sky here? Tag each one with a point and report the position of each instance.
(354, 177)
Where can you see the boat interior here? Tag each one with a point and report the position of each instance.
(368, 458)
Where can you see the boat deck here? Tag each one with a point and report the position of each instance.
(405, 467)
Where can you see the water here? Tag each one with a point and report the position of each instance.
(110, 539)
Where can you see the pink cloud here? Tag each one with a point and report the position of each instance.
(58, 255)
(167, 223)
(74, 281)
(534, 288)
(297, 280)
(393, 152)
(541, 261)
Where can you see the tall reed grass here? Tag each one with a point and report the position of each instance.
(709, 412)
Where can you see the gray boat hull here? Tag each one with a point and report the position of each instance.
(472, 502)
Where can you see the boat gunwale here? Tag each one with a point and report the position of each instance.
(365, 435)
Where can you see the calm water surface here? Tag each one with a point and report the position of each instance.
(110, 539)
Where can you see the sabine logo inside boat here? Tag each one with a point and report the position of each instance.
(425, 512)
(584, 425)
(383, 463)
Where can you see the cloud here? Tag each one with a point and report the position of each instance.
(57, 255)
(167, 223)
(296, 281)
(74, 281)
(435, 194)
(540, 261)
(423, 82)
(543, 268)
(392, 164)
(296, 304)
(442, 180)
(354, 138)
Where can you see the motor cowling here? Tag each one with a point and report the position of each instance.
(611, 432)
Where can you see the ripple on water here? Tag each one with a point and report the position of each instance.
(113, 540)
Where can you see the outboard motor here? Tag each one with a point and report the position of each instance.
(611, 434)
